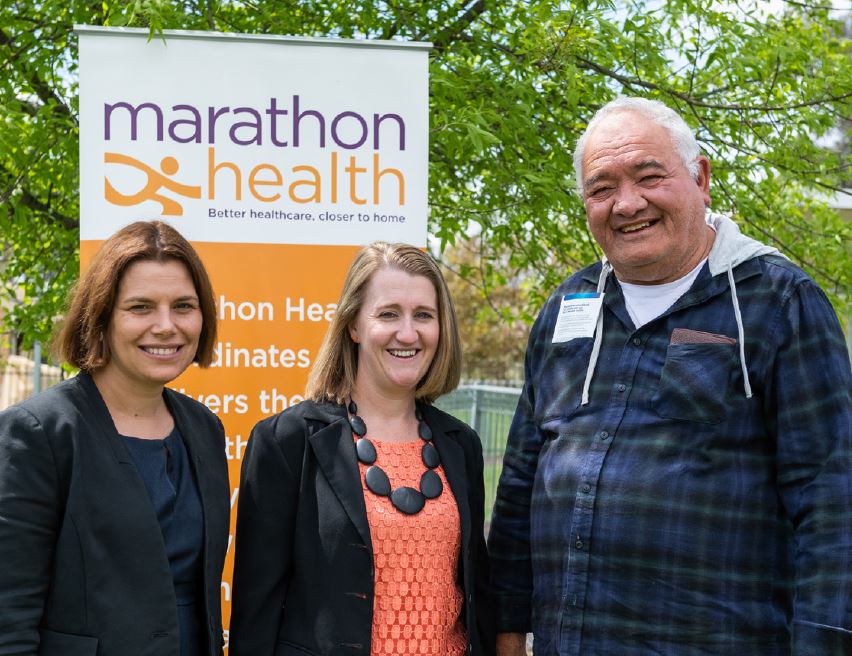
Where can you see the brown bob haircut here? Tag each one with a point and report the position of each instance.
(79, 339)
(336, 366)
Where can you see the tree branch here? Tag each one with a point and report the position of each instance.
(33, 203)
(45, 93)
(632, 81)
(446, 36)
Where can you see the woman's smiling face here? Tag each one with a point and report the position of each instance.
(155, 324)
(397, 332)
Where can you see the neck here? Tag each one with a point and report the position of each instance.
(382, 404)
(126, 399)
(389, 417)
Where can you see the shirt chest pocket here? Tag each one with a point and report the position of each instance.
(695, 382)
(559, 382)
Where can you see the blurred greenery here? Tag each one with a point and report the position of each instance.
(513, 83)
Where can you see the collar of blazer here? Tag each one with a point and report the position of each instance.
(187, 425)
(334, 449)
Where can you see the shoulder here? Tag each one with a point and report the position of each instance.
(782, 271)
(52, 401)
(58, 411)
(43, 428)
(584, 280)
(778, 285)
(300, 419)
(771, 273)
(282, 438)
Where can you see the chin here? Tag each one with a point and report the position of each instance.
(164, 377)
(404, 386)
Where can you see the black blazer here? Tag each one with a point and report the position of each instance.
(83, 568)
(303, 579)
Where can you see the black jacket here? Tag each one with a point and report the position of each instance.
(83, 568)
(303, 541)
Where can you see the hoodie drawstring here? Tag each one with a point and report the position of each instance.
(740, 330)
(596, 347)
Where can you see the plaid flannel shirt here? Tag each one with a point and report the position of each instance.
(671, 514)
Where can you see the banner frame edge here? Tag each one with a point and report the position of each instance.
(206, 35)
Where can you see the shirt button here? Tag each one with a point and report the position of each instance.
(637, 341)
(621, 387)
(604, 435)
(586, 488)
(579, 544)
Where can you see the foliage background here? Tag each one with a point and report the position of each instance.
(513, 83)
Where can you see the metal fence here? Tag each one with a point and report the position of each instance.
(488, 409)
(19, 378)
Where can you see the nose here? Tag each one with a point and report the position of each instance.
(628, 201)
(163, 321)
(406, 332)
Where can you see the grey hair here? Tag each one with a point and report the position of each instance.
(682, 138)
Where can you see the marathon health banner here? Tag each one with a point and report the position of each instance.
(277, 157)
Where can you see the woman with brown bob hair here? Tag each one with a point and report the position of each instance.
(114, 495)
(360, 521)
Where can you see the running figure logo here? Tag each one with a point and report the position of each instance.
(156, 182)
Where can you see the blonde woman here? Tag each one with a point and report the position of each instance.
(360, 521)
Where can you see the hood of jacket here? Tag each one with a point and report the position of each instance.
(730, 249)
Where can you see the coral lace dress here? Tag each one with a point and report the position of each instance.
(418, 601)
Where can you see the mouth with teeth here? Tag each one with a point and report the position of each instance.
(160, 351)
(636, 227)
(403, 353)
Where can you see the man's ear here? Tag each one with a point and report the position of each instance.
(703, 178)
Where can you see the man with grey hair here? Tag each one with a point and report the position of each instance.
(678, 473)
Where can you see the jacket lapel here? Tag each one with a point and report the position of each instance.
(453, 463)
(107, 432)
(334, 449)
(194, 446)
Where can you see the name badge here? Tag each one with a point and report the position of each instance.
(578, 316)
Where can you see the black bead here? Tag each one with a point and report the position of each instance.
(366, 451)
(408, 500)
(430, 455)
(377, 481)
(431, 485)
(358, 425)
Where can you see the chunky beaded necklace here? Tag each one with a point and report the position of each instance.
(405, 499)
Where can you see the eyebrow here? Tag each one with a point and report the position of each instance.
(398, 306)
(649, 163)
(136, 299)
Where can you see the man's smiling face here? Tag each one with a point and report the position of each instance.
(644, 208)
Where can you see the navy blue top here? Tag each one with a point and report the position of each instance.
(164, 466)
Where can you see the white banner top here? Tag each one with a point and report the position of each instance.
(326, 142)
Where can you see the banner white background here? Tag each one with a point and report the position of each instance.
(192, 76)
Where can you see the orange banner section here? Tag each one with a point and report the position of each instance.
(274, 303)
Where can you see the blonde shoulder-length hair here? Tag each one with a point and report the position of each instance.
(336, 366)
